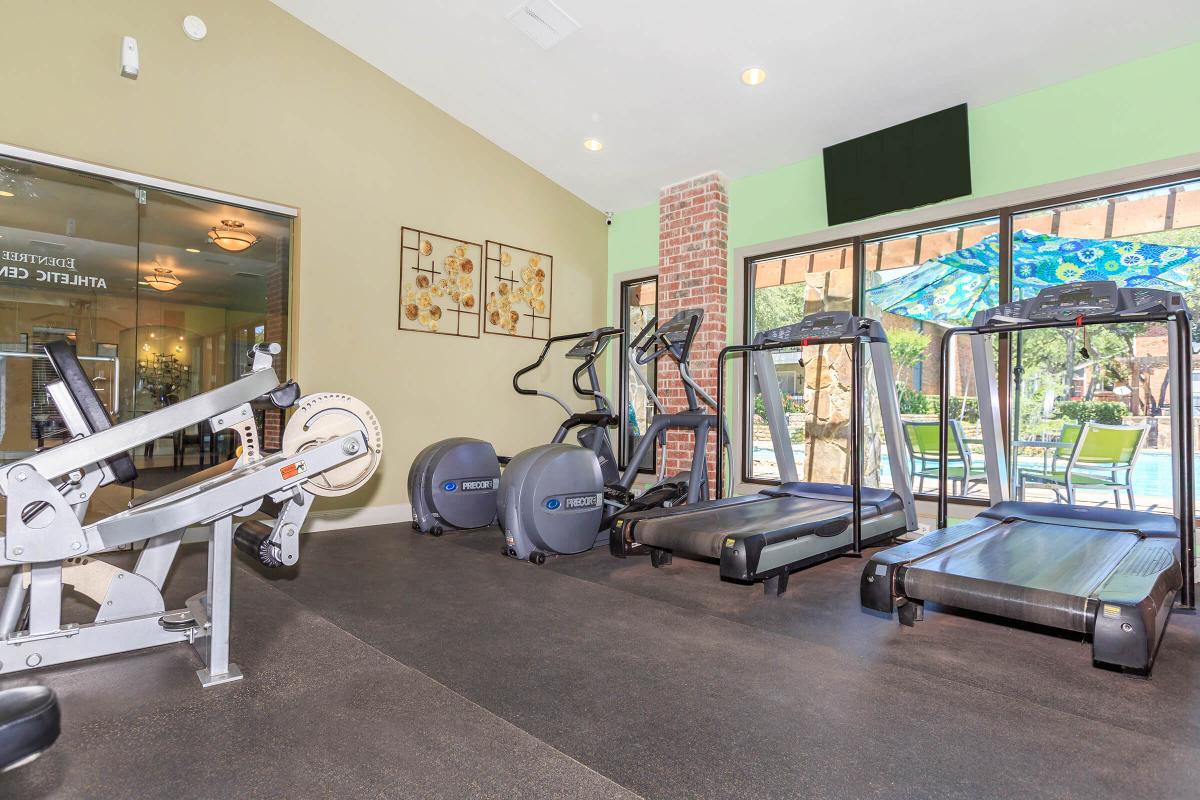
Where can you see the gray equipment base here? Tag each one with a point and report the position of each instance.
(454, 483)
(1112, 576)
(769, 534)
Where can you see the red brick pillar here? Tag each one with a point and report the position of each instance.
(693, 269)
(277, 331)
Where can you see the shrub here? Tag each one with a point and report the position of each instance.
(1081, 411)
(969, 414)
(913, 402)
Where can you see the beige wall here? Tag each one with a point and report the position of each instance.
(266, 107)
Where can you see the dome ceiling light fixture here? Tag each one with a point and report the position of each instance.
(162, 280)
(232, 236)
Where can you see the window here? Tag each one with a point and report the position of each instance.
(918, 286)
(639, 306)
(156, 312)
(785, 289)
(1116, 375)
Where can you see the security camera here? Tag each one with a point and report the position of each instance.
(608, 215)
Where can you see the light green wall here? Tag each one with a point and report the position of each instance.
(1134, 113)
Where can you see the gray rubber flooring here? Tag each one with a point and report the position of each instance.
(395, 665)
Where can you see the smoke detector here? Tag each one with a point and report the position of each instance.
(543, 21)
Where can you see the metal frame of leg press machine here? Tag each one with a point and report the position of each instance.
(52, 548)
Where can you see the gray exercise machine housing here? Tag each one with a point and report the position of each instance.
(455, 483)
(53, 548)
(1111, 575)
(555, 498)
(768, 535)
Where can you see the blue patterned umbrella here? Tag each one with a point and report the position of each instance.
(951, 288)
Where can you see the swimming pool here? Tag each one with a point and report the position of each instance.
(1151, 474)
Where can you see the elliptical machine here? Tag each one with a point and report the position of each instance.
(557, 498)
(455, 482)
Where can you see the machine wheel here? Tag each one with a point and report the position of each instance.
(660, 558)
(436, 530)
(537, 557)
(415, 526)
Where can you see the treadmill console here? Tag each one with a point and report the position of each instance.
(819, 326)
(594, 343)
(1083, 299)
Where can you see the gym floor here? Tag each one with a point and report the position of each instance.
(394, 665)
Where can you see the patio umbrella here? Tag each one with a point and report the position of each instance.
(951, 288)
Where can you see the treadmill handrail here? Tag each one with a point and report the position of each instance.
(1181, 374)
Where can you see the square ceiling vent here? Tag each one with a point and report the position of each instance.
(543, 21)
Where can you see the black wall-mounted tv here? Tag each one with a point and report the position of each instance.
(915, 163)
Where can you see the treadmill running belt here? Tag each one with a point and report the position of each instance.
(702, 531)
(1030, 571)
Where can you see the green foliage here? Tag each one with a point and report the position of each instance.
(912, 402)
(963, 408)
(790, 406)
(777, 306)
(1091, 411)
(907, 348)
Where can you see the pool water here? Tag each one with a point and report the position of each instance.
(1151, 474)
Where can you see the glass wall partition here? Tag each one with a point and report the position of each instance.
(160, 294)
(782, 290)
(639, 306)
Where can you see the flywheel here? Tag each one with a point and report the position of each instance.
(327, 415)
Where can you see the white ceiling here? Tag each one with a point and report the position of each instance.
(658, 80)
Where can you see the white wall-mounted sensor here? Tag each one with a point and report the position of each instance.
(129, 58)
(194, 27)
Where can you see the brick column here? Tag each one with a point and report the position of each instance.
(277, 331)
(693, 268)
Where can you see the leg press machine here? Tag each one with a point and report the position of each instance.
(332, 445)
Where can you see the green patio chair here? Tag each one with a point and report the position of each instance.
(921, 439)
(1102, 458)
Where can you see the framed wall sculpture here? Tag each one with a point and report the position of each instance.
(439, 284)
(519, 285)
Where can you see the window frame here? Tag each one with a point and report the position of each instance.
(1005, 213)
(623, 367)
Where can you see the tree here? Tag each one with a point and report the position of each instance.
(776, 306)
(908, 348)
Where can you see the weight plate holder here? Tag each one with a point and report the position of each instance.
(328, 415)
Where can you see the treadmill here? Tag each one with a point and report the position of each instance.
(765, 536)
(1108, 574)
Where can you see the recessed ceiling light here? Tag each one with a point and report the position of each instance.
(6, 194)
(192, 250)
(593, 144)
(753, 76)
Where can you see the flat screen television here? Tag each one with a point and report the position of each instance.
(912, 164)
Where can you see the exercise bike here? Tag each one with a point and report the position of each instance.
(557, 498)
(455, 483)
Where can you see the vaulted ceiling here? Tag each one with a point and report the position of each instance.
(657, 81)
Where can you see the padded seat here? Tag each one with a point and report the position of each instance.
(29, 724)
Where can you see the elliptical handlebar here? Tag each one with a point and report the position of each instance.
(661, 340)
(589, 345)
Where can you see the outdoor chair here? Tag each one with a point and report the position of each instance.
(921, 439)
(1101, 458)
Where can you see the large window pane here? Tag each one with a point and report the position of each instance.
(1114, 375)
(639, 306)
(156, 310)
(814, 385)
(924, 283)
